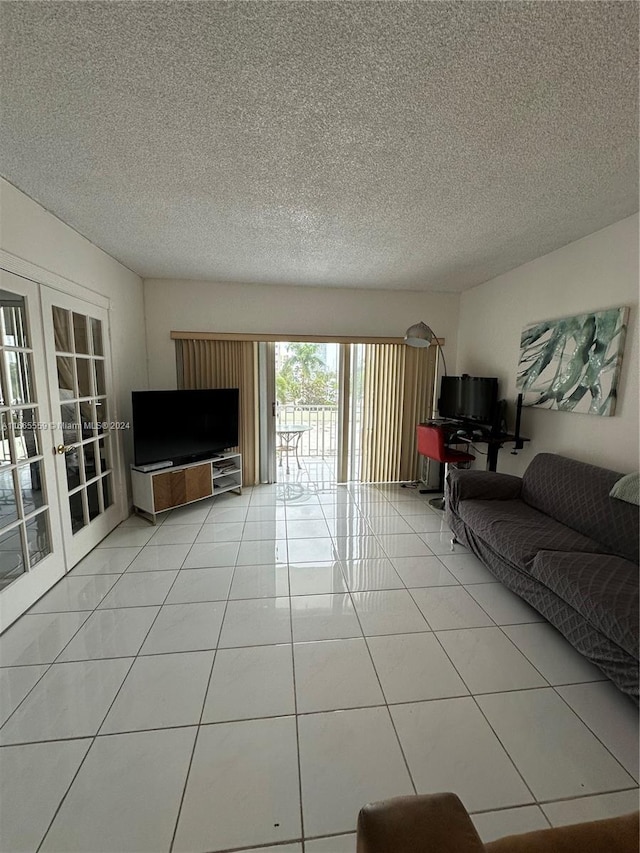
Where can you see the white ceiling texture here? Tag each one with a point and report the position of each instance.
(426, 146)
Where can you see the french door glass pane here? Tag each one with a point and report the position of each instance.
(26, 435)
(20, 377)
(72, 466)
(8, 502)
(96, 331)
(70, 423)
(5, 451)
(87, 419)
(76, 509)
(11, 556)
(93, 502)
(66, 382)
(90, 460)
(100, 383)
(38, 538)
(107, 491)
(84, 382)
(105, 458)
(30, 477)
(61, 330)
(14, 331)
(80, 336)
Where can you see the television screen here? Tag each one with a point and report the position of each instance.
(183, 426)
(472, 398)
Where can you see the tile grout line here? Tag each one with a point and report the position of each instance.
(384, 696)
(204, 700)
(383, 704)
(544, 802)
(295, 709)
(587, 726)
(472, 696)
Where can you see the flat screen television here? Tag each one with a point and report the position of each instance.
(469, 398)
(183, 426)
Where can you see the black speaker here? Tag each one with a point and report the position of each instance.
(500, 420)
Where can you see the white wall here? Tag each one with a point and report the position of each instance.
(214, 307)
(598, 271)
(33, 234)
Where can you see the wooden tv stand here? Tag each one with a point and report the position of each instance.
(167, 488)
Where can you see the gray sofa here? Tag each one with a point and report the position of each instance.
(557, 539)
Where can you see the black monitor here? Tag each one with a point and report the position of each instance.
(469, 398)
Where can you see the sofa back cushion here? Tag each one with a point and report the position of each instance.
(577, 494)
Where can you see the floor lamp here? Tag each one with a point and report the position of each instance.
(420, 335)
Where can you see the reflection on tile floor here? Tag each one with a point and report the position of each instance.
(256, 668)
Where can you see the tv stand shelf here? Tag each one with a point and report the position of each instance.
(167, 488)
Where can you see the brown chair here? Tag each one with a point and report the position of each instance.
(439, 823)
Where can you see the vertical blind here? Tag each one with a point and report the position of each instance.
(226, 364)
(397, 386)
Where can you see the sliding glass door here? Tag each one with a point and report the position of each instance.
(351, 409)
(307, 410)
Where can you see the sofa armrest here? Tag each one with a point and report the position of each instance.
(613, 835)
(482, 485)
(428, 823)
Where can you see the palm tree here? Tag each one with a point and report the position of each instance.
(303, 375)
(303, 360)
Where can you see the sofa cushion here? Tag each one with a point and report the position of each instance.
(577, 494)
(517, 531)
(627, 489)
(601, 587)
(468, 485)
(610, 835)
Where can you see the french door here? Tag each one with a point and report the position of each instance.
(58, 457)
(83, 437)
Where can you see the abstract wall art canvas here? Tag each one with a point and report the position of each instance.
(573, 364)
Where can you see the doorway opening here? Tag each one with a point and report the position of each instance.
(307, 422)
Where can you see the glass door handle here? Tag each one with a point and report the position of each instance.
(64, 448)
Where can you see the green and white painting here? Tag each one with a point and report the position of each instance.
(573, 364)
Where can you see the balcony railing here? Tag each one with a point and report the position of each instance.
(322, 437)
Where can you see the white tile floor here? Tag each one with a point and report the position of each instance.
(255, 669)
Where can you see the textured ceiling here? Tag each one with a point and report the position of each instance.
(427, 146)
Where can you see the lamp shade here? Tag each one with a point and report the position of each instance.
(419, 335)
